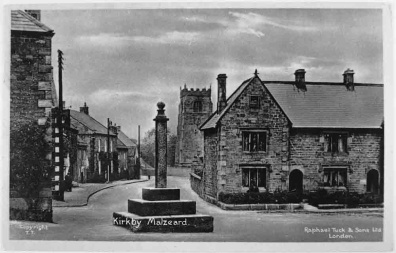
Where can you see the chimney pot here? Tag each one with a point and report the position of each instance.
(300, 79)
(348, 79)
(34, 13)
(85, 109)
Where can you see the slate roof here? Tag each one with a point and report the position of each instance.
(124, 140)
(323, 105)
(330, 105)
(91, 123)
(21, 21)
(211, 122)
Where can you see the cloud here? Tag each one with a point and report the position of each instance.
(119, 40)
(174, 37)
(252, 23)
(103, 39)
(107, 95)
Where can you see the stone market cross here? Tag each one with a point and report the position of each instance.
(161, 209)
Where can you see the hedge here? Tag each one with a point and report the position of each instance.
(314, 198)
(277, 197)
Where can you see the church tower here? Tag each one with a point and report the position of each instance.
(194, 108)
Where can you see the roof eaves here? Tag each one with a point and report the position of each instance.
(36, 22)
(209, 118)
(246, 83)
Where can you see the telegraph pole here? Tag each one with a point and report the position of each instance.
(59, 125)
(108, 149)
(138, 150)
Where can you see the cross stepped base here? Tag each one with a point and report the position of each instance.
(161, 210)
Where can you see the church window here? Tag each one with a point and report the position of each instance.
(197, 106)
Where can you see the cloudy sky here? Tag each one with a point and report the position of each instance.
(122, 62)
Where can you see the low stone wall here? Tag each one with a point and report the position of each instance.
(196, 184)
(269, 207)
(31, 209)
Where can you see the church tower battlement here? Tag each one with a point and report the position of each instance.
(194, 108)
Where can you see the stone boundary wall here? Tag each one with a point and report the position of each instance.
(32, 209)
(196, 184)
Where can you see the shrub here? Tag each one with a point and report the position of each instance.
(351, 199)
(295, 197)
(278, 197)
(29, 169)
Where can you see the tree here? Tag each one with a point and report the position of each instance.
(148, 147)
(172, 140)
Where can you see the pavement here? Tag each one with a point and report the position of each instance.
(313, 209)
(79, 196)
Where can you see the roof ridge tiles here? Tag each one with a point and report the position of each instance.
(353, 114)
(326, 83)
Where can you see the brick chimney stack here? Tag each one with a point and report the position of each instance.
(85, 109)
(348, 79)
(34, 13)
(300, 79)
(221, 92)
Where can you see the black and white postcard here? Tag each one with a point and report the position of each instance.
(197, 126)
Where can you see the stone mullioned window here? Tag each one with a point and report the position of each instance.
(254, 141)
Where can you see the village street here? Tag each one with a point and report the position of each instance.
(94, 222)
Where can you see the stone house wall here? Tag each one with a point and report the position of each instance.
(93, 152)
(122, 159)
(209, 176)
(81, 163)
(102, 140)
(31, 88)
(307, 155)
(287, 149)
(32, 96)
(268, 117)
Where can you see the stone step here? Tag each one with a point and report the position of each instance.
(193, 223)
(154, 194)
(164, 207)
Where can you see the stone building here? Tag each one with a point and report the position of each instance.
(293, 135)
(92, 136)
(32, 88)
(32, 95)
(194, 108)
(126, 155)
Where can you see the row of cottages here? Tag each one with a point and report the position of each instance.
(294, 136)
(32, 95)
(95, 143)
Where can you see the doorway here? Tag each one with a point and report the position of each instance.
(296, 181)
(373, 181)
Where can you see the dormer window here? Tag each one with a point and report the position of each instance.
(254, 102)
(197, 106)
